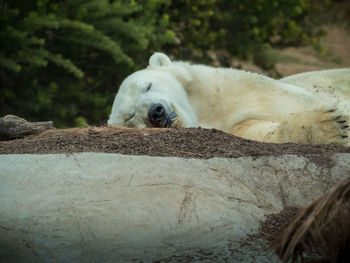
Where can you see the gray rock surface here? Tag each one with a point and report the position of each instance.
(96, 207)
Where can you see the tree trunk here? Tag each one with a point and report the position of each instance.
(14, 127)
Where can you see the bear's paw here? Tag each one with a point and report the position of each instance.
(318, 126)
(327, 126)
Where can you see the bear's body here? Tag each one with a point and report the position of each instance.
(242, 103)
(332, 85)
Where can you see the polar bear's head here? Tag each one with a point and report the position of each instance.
(154, 97)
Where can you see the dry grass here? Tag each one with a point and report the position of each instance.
(106, 130)
(324, 225)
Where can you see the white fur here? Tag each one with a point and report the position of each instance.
(333, 85)
(242, 103)
(159, 59)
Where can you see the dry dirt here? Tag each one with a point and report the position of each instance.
(335, 53)
(184, 142)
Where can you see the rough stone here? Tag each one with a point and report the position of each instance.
(98, 207)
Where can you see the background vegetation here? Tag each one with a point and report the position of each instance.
(63, 60)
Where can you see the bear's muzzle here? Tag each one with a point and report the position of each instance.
(158, 116)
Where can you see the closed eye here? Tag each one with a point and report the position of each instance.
(129, 117)
(148, 87)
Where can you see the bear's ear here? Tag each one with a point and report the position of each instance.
(159, 60)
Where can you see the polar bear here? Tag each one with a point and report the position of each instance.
(177, 94)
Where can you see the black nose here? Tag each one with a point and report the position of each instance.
(157, 115)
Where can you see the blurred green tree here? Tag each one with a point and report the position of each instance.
(63, 60)
(244, 29)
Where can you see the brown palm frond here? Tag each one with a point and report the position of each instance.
(324, 224)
